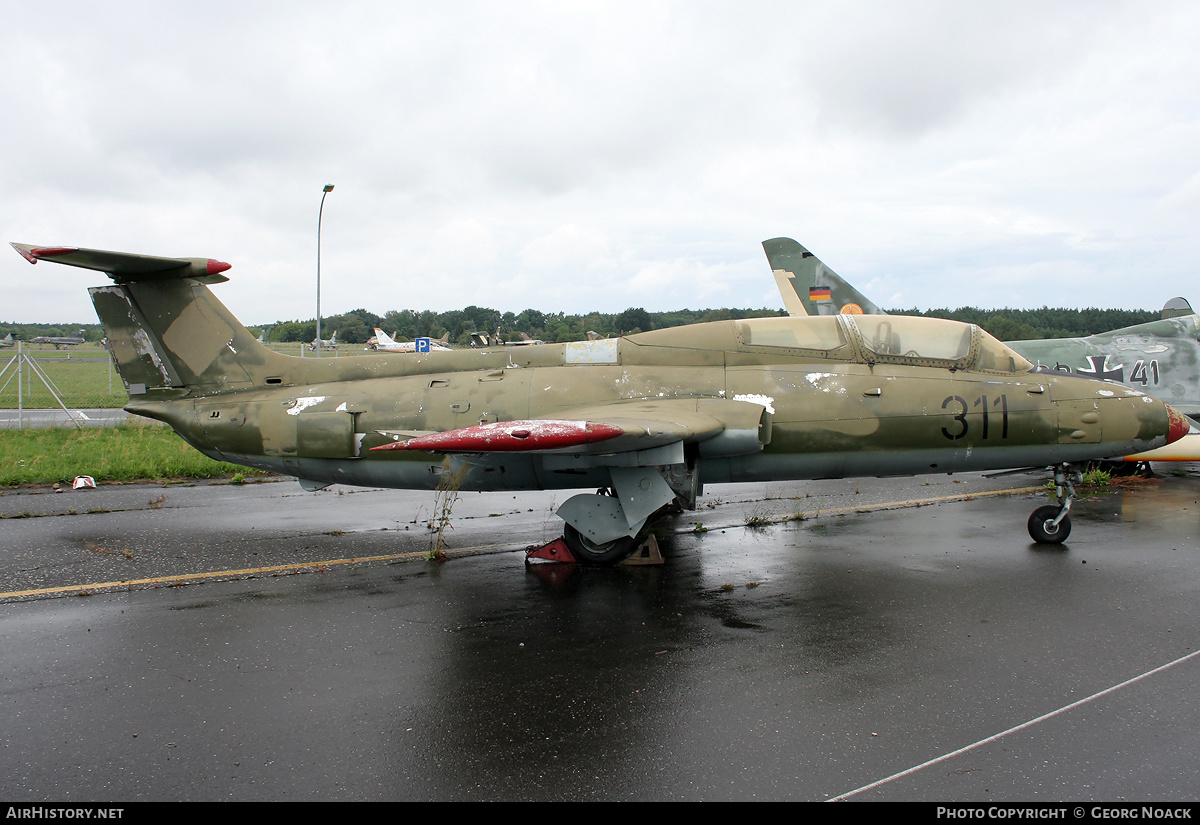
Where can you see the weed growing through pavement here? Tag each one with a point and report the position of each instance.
(444, 499)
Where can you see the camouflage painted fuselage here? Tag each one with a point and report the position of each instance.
(1161, 358)
(741, 401)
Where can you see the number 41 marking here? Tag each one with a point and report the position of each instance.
(1139, 373)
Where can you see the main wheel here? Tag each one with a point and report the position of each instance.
(588, 552)
(1043, 530)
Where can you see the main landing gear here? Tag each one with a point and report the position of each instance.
(1050, 524)
(590, 552)
(604, 527)
(576, 548)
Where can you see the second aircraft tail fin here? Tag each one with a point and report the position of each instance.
(1177, 307)
(808, 287)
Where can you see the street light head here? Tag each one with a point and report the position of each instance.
(328, 187)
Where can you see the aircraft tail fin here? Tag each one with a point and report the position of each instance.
(808, 287)
(166, 329)
(1176, 307)
(482, 339)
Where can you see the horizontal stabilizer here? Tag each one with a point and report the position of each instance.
(124, 267)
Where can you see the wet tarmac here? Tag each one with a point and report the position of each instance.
(257, 642)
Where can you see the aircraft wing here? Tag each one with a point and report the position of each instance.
(724, 426)
(124, 266)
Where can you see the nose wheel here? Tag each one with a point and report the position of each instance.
(1045, 526)
(1050, 524)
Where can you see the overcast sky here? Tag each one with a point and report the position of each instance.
(579, 156)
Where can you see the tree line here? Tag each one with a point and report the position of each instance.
(357, 326)
(1033, 324)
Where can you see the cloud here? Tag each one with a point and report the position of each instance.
(578, 156)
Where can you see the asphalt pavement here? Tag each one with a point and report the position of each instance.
(889, 640)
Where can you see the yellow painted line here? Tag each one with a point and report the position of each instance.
(248, 571)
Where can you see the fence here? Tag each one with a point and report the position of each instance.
(51, 379)
(35, 377)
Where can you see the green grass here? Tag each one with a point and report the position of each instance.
(81, 377)
(130, 452)
(84, 376)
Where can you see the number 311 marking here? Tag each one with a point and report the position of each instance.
(981, 405)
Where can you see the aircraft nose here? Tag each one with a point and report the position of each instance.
(1178, 426)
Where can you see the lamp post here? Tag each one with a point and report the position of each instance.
(328, 188)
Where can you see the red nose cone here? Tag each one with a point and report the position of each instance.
(1179, 425)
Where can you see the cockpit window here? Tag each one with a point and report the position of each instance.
(906, 339)
(820, 333)
(997, 357)
(884, 339)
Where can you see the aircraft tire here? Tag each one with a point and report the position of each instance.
(1040, 529)
(587, 552)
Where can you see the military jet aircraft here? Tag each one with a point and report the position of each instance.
(59, 341)
(648, 418)
(7, 342)
(524, 341)
(482, 339)
(1161, 358)
(330, 343)
(382, 342)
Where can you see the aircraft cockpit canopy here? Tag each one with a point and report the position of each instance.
(995, 356)
(885, 339)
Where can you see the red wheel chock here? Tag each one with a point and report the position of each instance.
(556, 550)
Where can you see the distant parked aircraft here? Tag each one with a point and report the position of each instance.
(382, 342)
(59, 341)
(330, 343)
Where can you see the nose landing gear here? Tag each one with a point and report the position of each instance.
(1050, 524)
